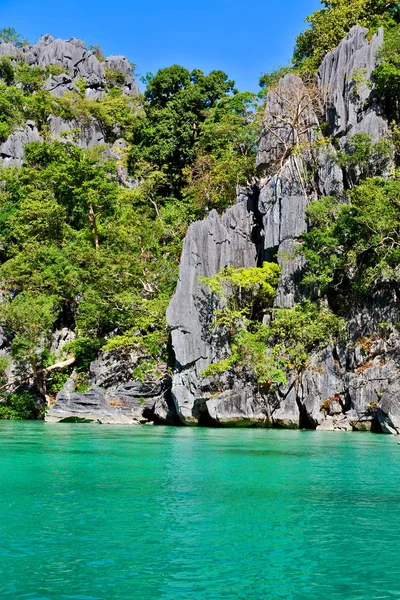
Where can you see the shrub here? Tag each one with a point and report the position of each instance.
(20, 405)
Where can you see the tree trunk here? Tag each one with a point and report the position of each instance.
(92, 219)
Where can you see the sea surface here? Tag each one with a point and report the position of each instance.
(93, 512)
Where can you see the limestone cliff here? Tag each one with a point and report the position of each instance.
(344, 388)
(79, 66)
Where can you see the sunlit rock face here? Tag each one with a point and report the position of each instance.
(80, 67)
(343, 388)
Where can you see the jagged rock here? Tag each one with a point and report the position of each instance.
(60, 84)
(78, 63)
(61, 337)
(321, 384)
(241, 406)
(282, 204)
(86, 407)
(118, 153)
(120, 64)
(9, 49)
(84, 135)
(389, 409)
(111, 368)
(131, 403)
(351, 105)
(285, 411)
(210, 245)
(285, 189)
(291, 263)
(12, 150)
(288, 108)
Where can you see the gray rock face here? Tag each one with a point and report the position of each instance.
(389, 409)
(12, 150)
(241, 406)
(343, 388)
(118, 153)
(84, 135)
(344, 81)
(289, 118)
(110, 368)
(290, 180)
(79, 65)
(209, 246)
(133, 403)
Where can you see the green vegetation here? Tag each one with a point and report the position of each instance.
(77, 249)
(361, 158)
(21, 405)
(30, 318)
(329, 25)
(80, 250)
(266, 351)
(354, 248)
(10, 35)
(387, 74)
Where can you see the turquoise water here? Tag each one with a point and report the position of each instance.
(106, 513)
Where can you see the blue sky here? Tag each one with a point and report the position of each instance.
(245, 39)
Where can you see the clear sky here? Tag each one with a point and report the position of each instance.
(244, 39)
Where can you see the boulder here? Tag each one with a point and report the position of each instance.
(389, 409)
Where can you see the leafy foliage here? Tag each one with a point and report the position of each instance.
(270, 351)
(29, 317)
(355, 248)
(21, 405)
(107, 256)
(11, 35)
(177, 104)
(387, 73)
(329, 25)
(361, 158)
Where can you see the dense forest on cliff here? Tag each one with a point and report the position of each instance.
(91, 234)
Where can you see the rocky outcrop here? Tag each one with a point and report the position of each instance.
(344, 79)
(132, 403)
(85, 135)
(78, 63)
(350, 387)
(209, 246)
(81, 68)
(294, 170)
(353, 386)
(12, 150)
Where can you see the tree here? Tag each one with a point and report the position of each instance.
(177, 105)
(354, 249)
(29, 318)
(225, 152)
(329, 25)
(11, 36)
(387, 73)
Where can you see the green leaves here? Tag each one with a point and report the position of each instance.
(329, 25)
(176, 105)
(29, 317)
(243, 291)
(355, 248)
(387, 73)
(361, 158)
